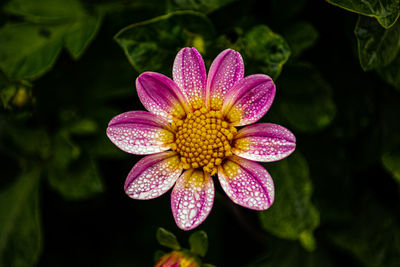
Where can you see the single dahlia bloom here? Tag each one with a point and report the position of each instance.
(190, 135)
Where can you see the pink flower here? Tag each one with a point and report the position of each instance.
(191, 136)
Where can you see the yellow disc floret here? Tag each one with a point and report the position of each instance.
(203, 139)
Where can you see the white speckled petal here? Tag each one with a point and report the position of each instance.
(249, 99)
(192, 198)
(189, 73)
(140, 132)
(264, 142)
(161, 96)
(226, 69)
(246, 183)
(153, 175)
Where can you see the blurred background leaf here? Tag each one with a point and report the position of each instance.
(300, 36)
(42, 11)
(292, 216)
(390, 142)
(199, 243)
(167, 239)
(152, 45)
(373, 238)
(20, 226)
(30, 49)
(80, 179)
(391, 161)
(308, 108)
(206, 6)
(81, 33)
(264, 50)
(391, 73)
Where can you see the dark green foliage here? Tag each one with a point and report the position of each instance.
(377, 46)
(265, 49)
(308, 108)
(199, 243)
(20, 227)
(300, 36)
(292, 216)
(385, 11)
(205, 6)
(29, 49)
(376, 243)
(153, 44)
(167, 239)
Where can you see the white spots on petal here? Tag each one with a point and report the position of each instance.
(160, 95)
(249, 100)
(264, 142)
(153, 175)
(225, 71)
(189, 74)
(192, 199)
(252, 187)
(140, 140)
(265, 149)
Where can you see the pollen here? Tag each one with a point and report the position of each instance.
(203, 139)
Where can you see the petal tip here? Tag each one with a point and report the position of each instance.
(192, 199)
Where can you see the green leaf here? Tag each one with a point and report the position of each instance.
(35, 142)
(167, 239)
(81, 33)
(300, 36)
(27, 50)
(83, 127)
(385, 11)
(78, 182)
(6, 94)
(71, 174)
(373, 236)
(391, 162)
(264, 51)
(199, 243)
(307, 103)
(20, 230)
(377, 47)
(152, 45)
(391, 73)
(292, 216)
(42, 11)
(206, 6)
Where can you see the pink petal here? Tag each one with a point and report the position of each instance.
(192, 198)
(226, 69)
(246, 183)
(249, 99)
(189, 74)
(153, 175)
(140, 132)
(264, 142)
(161, 96)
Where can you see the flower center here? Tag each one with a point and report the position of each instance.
(203, 139)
